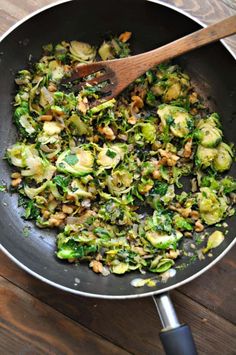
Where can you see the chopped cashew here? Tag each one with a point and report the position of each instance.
(107, 132)
(96, 266)
(125, 36)
(199, 226)
(188, 148)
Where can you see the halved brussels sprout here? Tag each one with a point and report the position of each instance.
(26, 156)
(23, 77)
(163, 265)
(105, 51)
(120, 268)
(28, 124)
(52, 128)
(179, 120)
(50, 145)
(205, 156)
(109, 157)
(212, 120)
(115, 48)
(173, 92)
(57, 70)
(82, 51)
(68, 248)
(78, 190)
(156, 261)
(210, 133)
(158, 89)
(210, 136)
(24, 120)
(162, 240)
(38, 169)
(211, 208)
(32, 192)
(224, 158)
(16, 155)
(119, 182)
(172, 85)
(77, 164)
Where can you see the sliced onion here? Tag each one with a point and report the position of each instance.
(133, 113)
(135, 228)
(73, 220)
(51, 151)
(46, 149)
(53, 154)
(81, 219)
(74, 149)
(105, 271)
(47, 95)
(86, 203)
(60, 120)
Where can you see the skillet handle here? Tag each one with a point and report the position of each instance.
(176, 338)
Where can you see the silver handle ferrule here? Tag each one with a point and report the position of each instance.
(166, 311)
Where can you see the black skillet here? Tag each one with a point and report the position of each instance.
(213, 71)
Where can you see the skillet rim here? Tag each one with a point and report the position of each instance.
(101, 296)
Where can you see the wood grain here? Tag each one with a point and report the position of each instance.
(132, 324)
(122, 72)
(216, 288)
(208, 12)
(28, 326)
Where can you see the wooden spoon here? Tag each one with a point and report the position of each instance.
(119, 73)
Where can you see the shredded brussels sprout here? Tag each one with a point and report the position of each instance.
(109, 176)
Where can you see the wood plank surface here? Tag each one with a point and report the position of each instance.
(216, 288)
(36, 318)
(208, 11)
(122, 322)
(28, 326)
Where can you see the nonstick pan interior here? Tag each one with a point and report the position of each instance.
(213, 71)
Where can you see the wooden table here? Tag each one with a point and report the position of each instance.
(36, 318)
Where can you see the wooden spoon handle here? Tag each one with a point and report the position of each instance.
(222, 29)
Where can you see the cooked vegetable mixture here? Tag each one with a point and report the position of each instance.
(109, 174)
